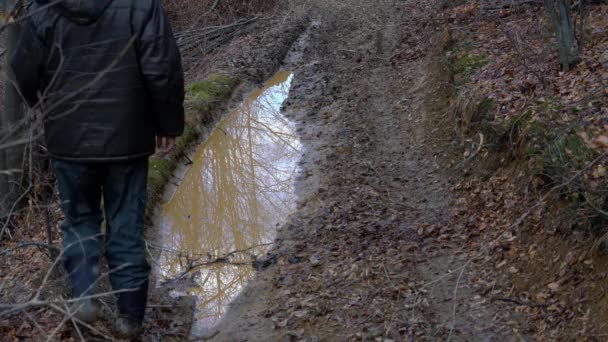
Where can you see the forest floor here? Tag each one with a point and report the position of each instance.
(369, 254)
(408, 227)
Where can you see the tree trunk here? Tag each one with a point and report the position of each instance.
(560, 14)
(11, 158)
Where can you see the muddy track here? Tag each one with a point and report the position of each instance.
(354, 262)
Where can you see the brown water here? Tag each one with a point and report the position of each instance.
(232, 198)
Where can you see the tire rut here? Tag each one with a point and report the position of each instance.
(355, 262)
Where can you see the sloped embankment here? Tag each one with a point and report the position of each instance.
(532, 203)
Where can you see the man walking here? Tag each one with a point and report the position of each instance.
(107, 77)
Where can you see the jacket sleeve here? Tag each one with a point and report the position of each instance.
(27, 63)
(161, 67)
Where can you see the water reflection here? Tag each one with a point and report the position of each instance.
(238, 190)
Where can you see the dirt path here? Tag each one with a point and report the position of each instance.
(369, 254)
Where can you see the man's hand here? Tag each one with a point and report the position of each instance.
(164, 145)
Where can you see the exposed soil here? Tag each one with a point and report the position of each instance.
(369, 253)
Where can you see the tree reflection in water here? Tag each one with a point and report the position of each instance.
(238, 190)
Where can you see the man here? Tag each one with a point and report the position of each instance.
(107, 77)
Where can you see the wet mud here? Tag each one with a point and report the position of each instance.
(366, 254)
(237, 190)
(360, 259)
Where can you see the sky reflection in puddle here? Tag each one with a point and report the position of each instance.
(239, 188)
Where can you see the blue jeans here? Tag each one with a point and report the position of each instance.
(123, 187)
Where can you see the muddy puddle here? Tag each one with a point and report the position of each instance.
(230, 202)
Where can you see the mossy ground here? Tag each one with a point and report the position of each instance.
(468, 63)
(202, 96)
(464, 66)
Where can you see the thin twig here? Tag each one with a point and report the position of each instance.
(86, 325)
(455, 300)
(520, 302)
(30, 244)
(71, 315)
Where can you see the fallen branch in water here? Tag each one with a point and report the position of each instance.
(202, 255)
(193, 262)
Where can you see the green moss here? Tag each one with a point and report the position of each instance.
(202, 95)
(159, 172)
(161, 169)
(187, 139)
(468, 63)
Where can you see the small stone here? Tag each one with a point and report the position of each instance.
(315, 260)
(294, 259)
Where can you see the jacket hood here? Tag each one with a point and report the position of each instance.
(83, 11)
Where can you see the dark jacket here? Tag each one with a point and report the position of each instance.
(106, 74)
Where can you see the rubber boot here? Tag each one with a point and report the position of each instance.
(131, 311)
(86, 310)
(83, 275)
